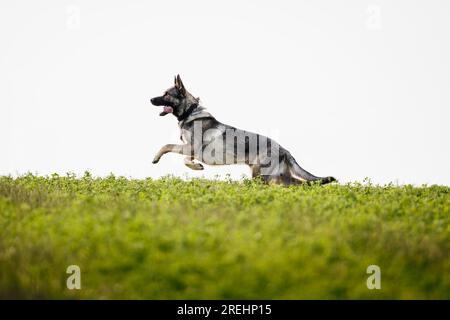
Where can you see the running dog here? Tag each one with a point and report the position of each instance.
(211, 142)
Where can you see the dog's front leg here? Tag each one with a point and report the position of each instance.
(190, 163)
(176, 148)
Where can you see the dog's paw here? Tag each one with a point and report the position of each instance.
(194, 166)
(199, 166)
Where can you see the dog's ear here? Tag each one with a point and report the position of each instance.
(179, 85)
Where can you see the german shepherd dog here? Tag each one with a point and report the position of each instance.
(209, 141)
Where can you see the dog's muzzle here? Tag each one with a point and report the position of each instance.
(158, 101)
(162, 101)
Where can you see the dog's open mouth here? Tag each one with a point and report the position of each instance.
(166, 110)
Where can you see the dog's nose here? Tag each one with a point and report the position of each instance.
(151, 100)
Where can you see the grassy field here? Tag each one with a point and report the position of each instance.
(203, 239)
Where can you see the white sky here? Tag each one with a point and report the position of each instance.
(352, 89)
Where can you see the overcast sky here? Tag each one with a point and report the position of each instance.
(352, 89)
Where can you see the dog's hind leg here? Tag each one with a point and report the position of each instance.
(190, 163)
(256, 170)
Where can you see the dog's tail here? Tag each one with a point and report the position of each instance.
(303, 175)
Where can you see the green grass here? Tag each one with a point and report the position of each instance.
(204, 239)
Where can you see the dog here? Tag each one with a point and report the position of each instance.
(208, 141)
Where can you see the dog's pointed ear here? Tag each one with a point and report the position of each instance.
(179, 85)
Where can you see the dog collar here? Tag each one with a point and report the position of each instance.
(188, 112)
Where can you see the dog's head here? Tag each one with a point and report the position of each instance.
(176, 100)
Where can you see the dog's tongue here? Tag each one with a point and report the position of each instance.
(166, 110)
